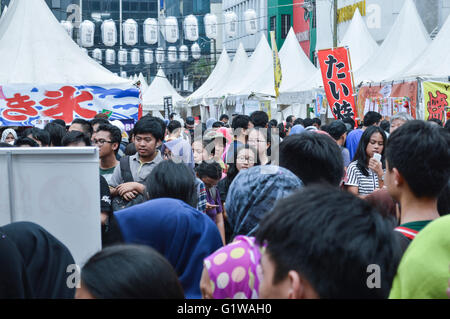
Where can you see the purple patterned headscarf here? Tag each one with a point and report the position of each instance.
(234, 270)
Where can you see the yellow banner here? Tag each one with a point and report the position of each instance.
(265, 106)
(346, 13)
(276, 64)
(437, 100)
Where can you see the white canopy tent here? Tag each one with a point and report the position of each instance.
(217, 75)
(35, 49)
(406, 40)
(153, 98)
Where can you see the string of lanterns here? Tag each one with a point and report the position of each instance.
(169, 30)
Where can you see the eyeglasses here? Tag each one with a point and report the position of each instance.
(99, 142)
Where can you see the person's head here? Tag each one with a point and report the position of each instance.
(76, 139)
(281, 130)
(273, 123)
(172, 180)
(218, 124)
(436, 121)
(82, 125)
(328, 247)
(129, 272)
(56, 132)
(372, 118)
(190, 123)
(317, 122)
(290, 119)
(174, 127)
(398, 120)
(96, 122)
(308, 122)
(41, 136)
(172, 116)
(130, 150)
(338, 131)
(257, 138)
(9, 136)
(210, 122)
(385, 125)
(253, 193)
(443, 203)
(372, 141)
(107, 138)
(148, 135)
(210, 173)
(240, 125)
(349, 123)
(245, 157)
(418, 160)
(259, 119)
(203, 150)
(224, 119)
(60, 122)
(313, 158)
(25, 142)
(298, 121)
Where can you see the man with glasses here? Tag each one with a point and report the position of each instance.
(107, 138)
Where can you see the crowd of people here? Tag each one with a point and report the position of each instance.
(246, 207)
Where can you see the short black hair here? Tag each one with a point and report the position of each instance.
(130, 150)
(443, 203)
(240, 121)
(60, 122)
(172, 115)
(209, 169)
(307, 122)
(349, 120)
(223, 116)
(371, 118)
(385, 125)
(56, 133)
(130, 272)
(289, 119)
(259, 119)
(217, 124)
(273, 123)
(86, 125)
(173, 125)
(317, 121)
(99, 121)
(437, 121)
(38, 134)
(299, 121)
(114, 132)
(336, 129)
(75, 137)
(172, 180)
(313, 158)
(420, 151)
(332, 243)
(25, 141)
(149, 125)
(361, 155)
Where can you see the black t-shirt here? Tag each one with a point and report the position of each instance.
(110, 231)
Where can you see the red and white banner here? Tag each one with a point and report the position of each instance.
(337, 81)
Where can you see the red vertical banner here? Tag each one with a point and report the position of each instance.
(301, 26)
(338, 82)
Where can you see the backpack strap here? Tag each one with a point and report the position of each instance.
(125, 169)
(407, 232)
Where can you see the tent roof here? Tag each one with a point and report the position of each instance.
(435, 60)
(160, 87)
(359, 41)
(220, 71)
(296, 67)
(407, 39)
(144, 85)
(35, 49)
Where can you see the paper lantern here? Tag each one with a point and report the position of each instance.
(250, 21)
(148, 56)
(196, 51)
(87, 29)
(110, 57)
(130, 32)
(210, 21)
(230, 24)
(135, 57)
(171, 29)
(191, 28)
(109, 33)
(159, 55)
(68, 26)
(151, 31)
(184, 53)
(172, 54)
(97, 55)
(123, 57)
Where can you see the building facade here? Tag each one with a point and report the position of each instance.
(280, 19)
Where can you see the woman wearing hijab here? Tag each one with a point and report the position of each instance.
(9, 136)
(178, 150)
(233, 271)
(43, 263)
(253, 193)
(297, 129)
(182, 234)
(210, 122)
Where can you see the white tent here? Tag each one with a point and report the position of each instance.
(434, 62)
(359, 41)
(231, 83)
(407, 39)
(218, 74)
(5, 9)
(144, 85)
(153, 98)
(35, 49)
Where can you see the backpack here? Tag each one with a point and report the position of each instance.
(118, 203)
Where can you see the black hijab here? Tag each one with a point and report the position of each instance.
(44, 258)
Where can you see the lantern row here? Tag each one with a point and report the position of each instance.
(169, 29)
(135, 55)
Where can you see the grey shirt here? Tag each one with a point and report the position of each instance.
(138, 170)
